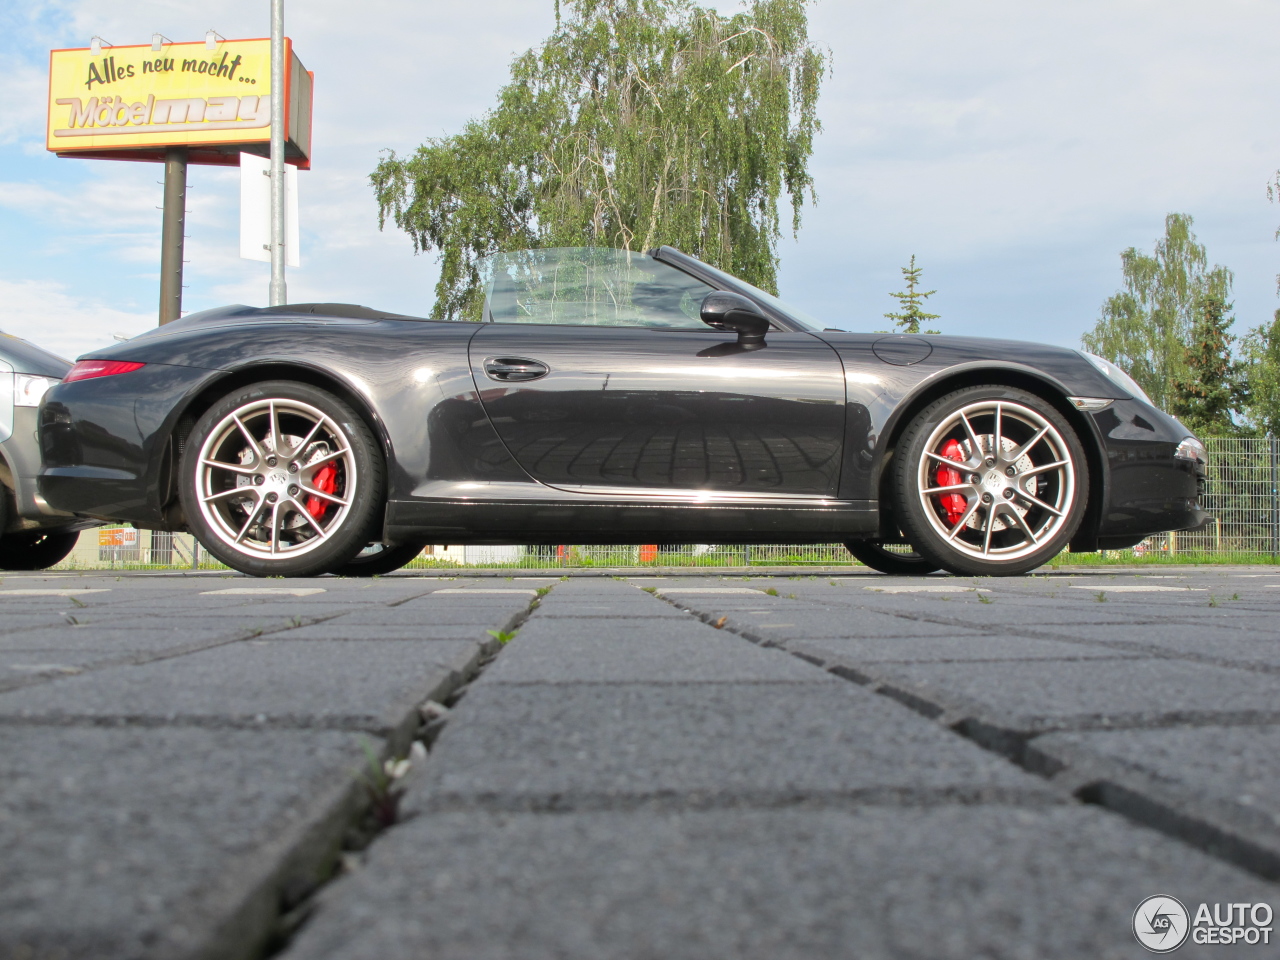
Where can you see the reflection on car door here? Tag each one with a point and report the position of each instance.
(664, 411)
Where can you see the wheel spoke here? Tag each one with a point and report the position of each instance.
(233, 492)
(253, 515)
(322, 495)
(306, 440)
(275, 527)
(274, 427)
(233, 467)
(1022, 522)
(325, 459)
(991, 525)
(1041, 504)
(997, 448)
(948, 462)
(965, 519)
(951, 489)
(976, 447)
(253, 442)
(1043, 467)
(1023, 450)
(306, 515)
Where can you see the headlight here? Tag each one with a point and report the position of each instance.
(1117, 376)
(1192, 449)
(28, 391)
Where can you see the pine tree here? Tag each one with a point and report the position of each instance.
(637, 123)
(1144, 328)
(911, 301)
(1213, 386)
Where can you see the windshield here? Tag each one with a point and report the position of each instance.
(590, 286)
(795, 313)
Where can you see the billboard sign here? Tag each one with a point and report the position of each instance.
(130, 103)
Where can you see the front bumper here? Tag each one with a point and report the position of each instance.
(1149, 490)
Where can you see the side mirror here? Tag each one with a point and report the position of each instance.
(732, 311)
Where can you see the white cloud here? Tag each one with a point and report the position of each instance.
(45, 313)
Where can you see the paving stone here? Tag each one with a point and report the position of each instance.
(125, 844)
(1226, 777)
(920, 884)
(357, 628)
(365, 684)
(590, 745)
(487, 615)
(1246, 647)
(796, 621)
(1039, 695)
(92, 637)
(639, 651)
(946, 648)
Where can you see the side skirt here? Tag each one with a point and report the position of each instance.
(549, 522)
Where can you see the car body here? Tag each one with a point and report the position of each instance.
(563, 420)
(28, 525)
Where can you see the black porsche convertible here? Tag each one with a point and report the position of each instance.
(613, 397)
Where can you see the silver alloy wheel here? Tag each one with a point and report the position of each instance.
(1012, 489)
(276, 478)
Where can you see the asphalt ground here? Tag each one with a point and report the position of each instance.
(844, 765)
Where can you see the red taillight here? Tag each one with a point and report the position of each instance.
(88, 369)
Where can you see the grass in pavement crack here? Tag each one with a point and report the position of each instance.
(384, 792)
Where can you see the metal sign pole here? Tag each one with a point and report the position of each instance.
(278, 295)
(171, 233)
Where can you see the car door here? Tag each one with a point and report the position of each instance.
(599, 376)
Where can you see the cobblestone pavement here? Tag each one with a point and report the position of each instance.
(654, 767)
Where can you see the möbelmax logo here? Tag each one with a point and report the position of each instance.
(1161, 924)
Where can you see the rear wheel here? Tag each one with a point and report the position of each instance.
(989, 481)
(379, 558)
(36, 549)
(896, 559)
(282, 479)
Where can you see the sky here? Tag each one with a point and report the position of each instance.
(1015, 149)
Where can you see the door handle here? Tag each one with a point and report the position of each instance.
(513, 369)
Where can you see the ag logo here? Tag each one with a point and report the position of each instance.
(1161, 924)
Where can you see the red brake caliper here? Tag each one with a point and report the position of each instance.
(953, 503)
(326, 481)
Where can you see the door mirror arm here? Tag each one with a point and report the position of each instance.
(732, 311)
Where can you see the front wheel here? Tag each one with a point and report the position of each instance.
(281, 479)
(379, 558)
(989, 481)
(899, 560)
(36, 549)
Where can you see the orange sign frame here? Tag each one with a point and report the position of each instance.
(133, 102)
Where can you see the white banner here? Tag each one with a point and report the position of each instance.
(255, 210)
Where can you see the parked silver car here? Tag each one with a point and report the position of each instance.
(32, 534)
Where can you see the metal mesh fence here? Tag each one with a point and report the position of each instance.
(1242, 494)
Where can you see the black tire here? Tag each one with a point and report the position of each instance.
(905, 562)
(36, 549)
(376, 562)
(1010, 503)
(282, 479)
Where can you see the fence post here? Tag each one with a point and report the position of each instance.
(1275, 495)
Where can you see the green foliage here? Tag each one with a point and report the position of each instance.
(637, 123)
(911, 302)
(1261, 351)
(1144, 328)
(502, 636)
(1213, 387)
